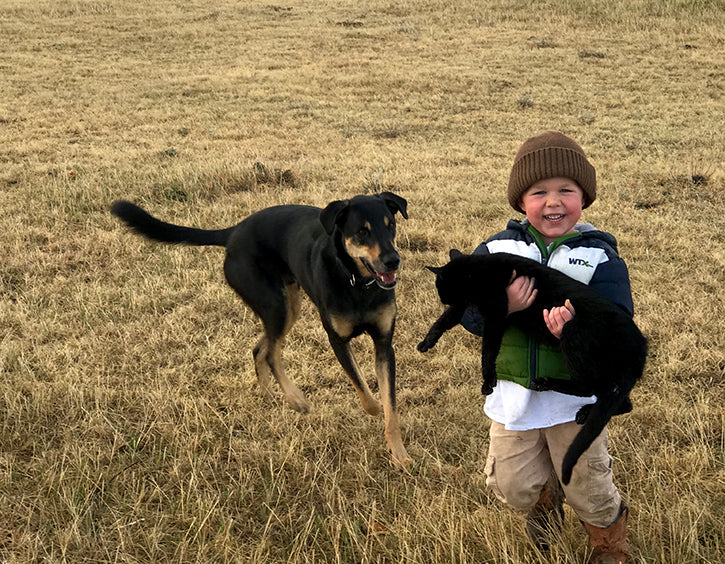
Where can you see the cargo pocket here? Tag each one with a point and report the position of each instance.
(601, 484)
(490, 471)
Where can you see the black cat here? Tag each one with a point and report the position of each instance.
(604, 350)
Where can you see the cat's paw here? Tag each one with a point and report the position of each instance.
(489, 382)
(488, 385)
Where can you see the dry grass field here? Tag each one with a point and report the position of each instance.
(131, 425)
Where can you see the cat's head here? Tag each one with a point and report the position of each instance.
(447, 279)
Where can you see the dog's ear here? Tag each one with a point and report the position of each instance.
(333, 213)
(435, 269)
(454, 253)
(395, 203)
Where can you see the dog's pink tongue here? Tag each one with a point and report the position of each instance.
(387, 277)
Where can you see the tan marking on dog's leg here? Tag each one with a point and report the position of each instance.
(294, 396)
(393, 434)
(342, 326)
(368, 401)
(385, 317)
(261, 367)
(294, 303)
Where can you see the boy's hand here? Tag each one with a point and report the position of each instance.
(557, 317)
(520, 293)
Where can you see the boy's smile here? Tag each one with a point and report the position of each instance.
(553, 206)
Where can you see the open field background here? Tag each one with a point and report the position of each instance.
(131, 427)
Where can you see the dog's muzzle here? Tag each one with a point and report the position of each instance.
(385, 279)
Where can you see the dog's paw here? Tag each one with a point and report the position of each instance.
(486, 389)
(296, 400)
(425, 345)
(398, 454)
(372, 406)
(583, 414)
(404, 462)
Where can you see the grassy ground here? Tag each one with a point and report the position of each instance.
(131, 427)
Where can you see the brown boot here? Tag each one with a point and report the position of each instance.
(547, 515)
(610, 544)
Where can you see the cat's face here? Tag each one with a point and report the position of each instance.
(449, 279)
(446, 284)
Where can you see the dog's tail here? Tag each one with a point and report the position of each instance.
(597, 418)
(144, 223)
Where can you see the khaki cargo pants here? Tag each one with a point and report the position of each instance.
(520, 462)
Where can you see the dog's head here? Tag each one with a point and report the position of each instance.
(367, 228)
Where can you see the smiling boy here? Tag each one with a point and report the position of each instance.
(551, 182)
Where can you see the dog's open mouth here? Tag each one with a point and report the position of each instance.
(386, 280)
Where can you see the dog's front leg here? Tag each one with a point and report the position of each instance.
(385, 372)
(345, 356)
(451, 317)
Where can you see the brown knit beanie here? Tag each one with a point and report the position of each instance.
(547, 155)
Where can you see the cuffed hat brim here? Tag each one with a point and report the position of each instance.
(547, 155)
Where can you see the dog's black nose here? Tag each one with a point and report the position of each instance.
(392, 262)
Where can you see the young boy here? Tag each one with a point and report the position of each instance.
(552, 182)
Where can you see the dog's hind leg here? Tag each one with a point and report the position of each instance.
(261, 367)
(271, 353)
(278, 307)
(261, 361)
(294, 397)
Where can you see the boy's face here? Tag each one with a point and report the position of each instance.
(553, 206)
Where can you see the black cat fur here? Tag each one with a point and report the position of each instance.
(604, 350)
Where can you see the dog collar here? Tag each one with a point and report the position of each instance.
(353, 281)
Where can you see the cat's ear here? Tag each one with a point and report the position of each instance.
(454, 253)
(435, 269)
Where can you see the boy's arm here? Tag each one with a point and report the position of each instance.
(611, 279)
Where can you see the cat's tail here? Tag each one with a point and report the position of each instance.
(599, 414)
(144, 223)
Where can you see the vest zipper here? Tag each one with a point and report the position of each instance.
(533, 347)
(546, 252)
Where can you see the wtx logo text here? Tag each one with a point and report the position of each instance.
(580, 262)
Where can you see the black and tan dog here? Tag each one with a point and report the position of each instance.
(343, 256)
(604, 350)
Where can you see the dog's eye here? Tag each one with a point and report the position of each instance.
(362, 234)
